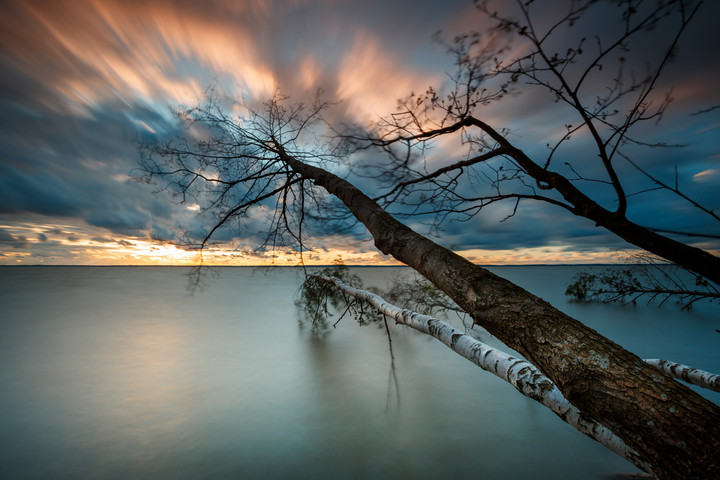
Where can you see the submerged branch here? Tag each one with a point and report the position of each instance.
(521, 374)
(688, 374)
(649, 278)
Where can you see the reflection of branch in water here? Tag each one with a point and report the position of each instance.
(197, 276)
(392, 374)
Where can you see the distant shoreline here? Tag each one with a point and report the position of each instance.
(324, 266)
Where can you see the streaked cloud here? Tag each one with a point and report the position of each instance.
(708, 175)
(370, 82)
(81, 82)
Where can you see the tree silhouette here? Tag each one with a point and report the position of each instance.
(607, 93)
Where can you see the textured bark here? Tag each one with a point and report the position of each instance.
(521, 374)
(672, 428)
(691, 375)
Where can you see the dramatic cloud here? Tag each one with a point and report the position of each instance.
(8, 239)
(82, 82)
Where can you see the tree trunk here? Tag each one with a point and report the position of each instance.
(672, 428)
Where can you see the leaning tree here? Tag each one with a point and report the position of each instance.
(263, 160)
(601, 75)
(276, 159)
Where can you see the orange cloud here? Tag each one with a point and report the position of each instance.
(74, 243)
(91, 52)
(706, 175)
(371, 79)
(94, 51)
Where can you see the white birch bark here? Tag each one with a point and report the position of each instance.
(688, 374)
(521, 374)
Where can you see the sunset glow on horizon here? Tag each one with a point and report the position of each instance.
(80, 245)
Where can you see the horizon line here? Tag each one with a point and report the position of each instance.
(310, 266)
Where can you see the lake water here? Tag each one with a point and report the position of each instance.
(120, 372)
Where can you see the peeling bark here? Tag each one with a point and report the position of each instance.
(690, 375)
(521, 374)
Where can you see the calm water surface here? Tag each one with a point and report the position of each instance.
(120, 372)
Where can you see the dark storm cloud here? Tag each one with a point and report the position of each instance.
(128, 221)
(534, 225)
(162, 233)
(9, 240)
(59, 165)
(39, 193)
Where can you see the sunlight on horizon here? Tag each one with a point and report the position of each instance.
(79, 244)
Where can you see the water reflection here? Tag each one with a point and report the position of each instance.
(393, 384)
(119, 373)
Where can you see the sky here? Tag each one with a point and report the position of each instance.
(83, 81)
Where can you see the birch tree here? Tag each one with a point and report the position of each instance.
(271, 159)
(522, 375)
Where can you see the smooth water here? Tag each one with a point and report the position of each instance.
(120, 372)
